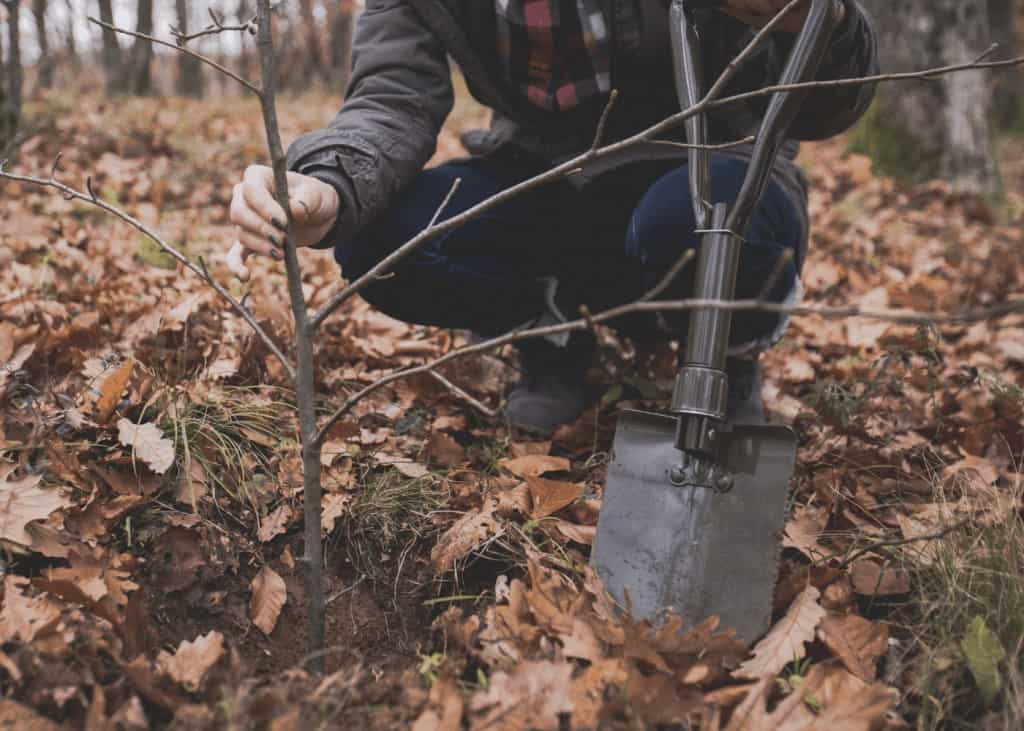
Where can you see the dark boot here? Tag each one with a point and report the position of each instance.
(551, 391)
(744, 405)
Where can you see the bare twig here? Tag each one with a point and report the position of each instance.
(895, 542)
(603, 121)
(926, 74)
(642, 306)
(575, 164)
(730, 70)
(776, 274)
(711, 148)
(445, 202)
(670, 276)
(305, 390)
(188, 51)
(215, 28)
(90, 197)
(465, 396)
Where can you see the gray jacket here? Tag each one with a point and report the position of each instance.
(400, 94)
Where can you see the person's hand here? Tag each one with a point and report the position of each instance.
(260, 221)
(759, 12)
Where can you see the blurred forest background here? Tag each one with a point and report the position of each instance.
(944, 129)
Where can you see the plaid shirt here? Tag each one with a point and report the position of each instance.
(558, 52)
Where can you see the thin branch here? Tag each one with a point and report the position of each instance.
(445, 202)
(216, 28)
(926, 74)
(467, 397)
(199, 270)
(603, 121)
(670, 276)
(895, 542)
(887, 315)
(776, 273)
(730, 70)
(711, 148)
(575, 164)
(187, 51)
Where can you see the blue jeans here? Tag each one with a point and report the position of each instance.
(607, 243)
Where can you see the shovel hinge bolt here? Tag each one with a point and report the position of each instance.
(697, 471)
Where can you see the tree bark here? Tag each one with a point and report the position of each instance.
(1007, 87)
(10, 89)
(243, 14)
(69, 34)
(314, 66)
(930, 129)
(341, 24)
(190, 69)
(111, 47)
(135, 74)
(45, 65)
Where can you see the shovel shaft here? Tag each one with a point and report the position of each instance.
(700, 394)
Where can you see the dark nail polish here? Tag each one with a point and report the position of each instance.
(275, 254)
(277, 222)
(275, 240)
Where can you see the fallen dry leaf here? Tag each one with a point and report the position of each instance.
(333, 506)
(268, 598)
(23, 617)
(803, 531)
(148, 444)
(109, 390)
(533, 696)
(191, 662)
(444, 708)
(550, 496)
(534, 465)
(14, 715)
(444, 450)
(466, 535)
(872, 579)
(857, 642)
(845, 703)
(23, 501)
(785, 642)
(275, 523)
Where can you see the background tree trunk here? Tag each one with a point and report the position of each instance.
(10, 88)
(340, 26)
(1008, 86)
(45, 64)
(929, 129)
(190, 70)
(111, 47)
(243, 14)
(69, 34)
(314, 57)
(135, 74)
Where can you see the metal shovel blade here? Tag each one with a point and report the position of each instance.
(692, 549)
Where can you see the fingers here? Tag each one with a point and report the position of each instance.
(236, 262)
(257, 244)
(257, 184)
(251, 222)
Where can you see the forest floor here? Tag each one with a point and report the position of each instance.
(149, 574)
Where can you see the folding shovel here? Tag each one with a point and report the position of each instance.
(694, 507)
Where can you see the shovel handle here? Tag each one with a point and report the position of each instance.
(808, 50)
(804, 60)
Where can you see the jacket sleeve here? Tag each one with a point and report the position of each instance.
(852, 53)
(398, 97)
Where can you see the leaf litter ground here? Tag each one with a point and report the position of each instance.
(150, 486)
